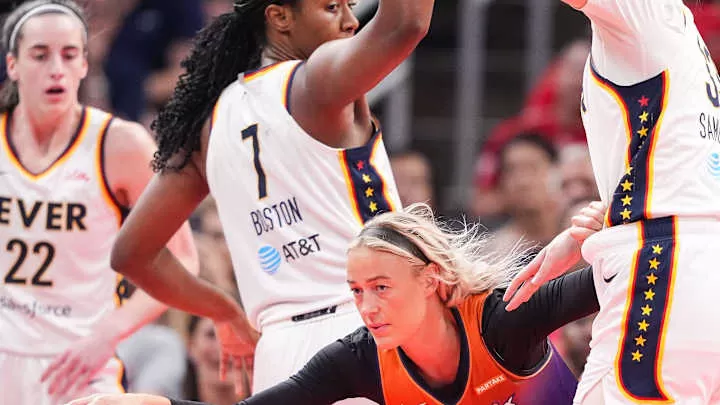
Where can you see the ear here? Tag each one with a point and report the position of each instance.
(431, 281)
(279, 17)
(11, 62)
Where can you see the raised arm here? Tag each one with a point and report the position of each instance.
(342, 71)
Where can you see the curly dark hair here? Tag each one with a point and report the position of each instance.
(230, 45)
(9, 97)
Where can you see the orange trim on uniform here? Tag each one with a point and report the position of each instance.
(213, 116)
(75, 141)
(621, 103)
(668, 307)
(105, 190)
(116, 295)
(626, 311)
(261, 72)
(286, 85)
(651, 149)
(120, 375)
(350, 187)
(376, 145)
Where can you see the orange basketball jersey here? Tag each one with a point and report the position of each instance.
(486, 381)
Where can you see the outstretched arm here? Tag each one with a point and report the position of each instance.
(347, 368)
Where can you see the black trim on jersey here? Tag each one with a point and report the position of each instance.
(349, 367)
(124, 210)
(452, 393)
(16, 155)
(289, 86)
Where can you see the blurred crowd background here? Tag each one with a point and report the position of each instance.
(483, 122)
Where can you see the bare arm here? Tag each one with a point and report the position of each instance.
(140, 253)
(127, 153)
(342, 71)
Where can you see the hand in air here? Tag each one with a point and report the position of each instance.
(557, 257)
(71, 372)
(237, 341)
(121, 399)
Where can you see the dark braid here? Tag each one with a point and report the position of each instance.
(230, 45)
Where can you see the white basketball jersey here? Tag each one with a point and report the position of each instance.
(289, 205)
(56, 232)
(651, 110)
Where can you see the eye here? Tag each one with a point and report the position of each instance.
(332, 7)
(356, 291)
(381, 288)
(352, 4)
(40, 56)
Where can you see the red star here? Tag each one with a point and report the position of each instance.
(360, 165)
(644, 101)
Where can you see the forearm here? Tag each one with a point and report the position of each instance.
(136, 312)
(168, 281)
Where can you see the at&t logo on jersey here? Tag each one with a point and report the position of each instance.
(270, 259)
(713, 165)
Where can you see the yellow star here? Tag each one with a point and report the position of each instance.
(369, 192)
(626, 213)
(649, 294)
(637, 355)
(644, 116)
(654, 263)
(626, 185)
(643, 131)
(640, 341)
(651, 278)
(646, 310)
(643, 326)
(629, 170)
(373, 206)
(366, 178)
(657, 249)
(626, 200)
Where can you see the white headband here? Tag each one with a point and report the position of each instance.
(44, 9)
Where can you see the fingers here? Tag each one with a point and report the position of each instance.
(64, 380)
(524, 275)
(56, 364)
(531, 286)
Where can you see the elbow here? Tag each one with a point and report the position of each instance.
(121, 260)
(413, 31)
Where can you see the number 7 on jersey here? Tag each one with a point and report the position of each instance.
(251, 132)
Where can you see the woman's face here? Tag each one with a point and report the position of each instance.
(50, 62)
(390, 294)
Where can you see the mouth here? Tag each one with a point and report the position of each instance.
(55, 90)
(378, 327)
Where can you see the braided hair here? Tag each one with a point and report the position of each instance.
(230, 45)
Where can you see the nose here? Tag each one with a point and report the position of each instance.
(367, 305)
(57, 67)
(350, 22)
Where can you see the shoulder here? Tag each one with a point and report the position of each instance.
(127, 137)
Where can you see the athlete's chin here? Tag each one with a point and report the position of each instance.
(384, 340)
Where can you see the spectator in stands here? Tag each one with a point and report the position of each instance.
(202, 382)
(529, 187)
(143, 59)
(576, 174)
(413, 176)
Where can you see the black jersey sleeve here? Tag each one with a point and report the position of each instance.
(518, 339)
(347, 368)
